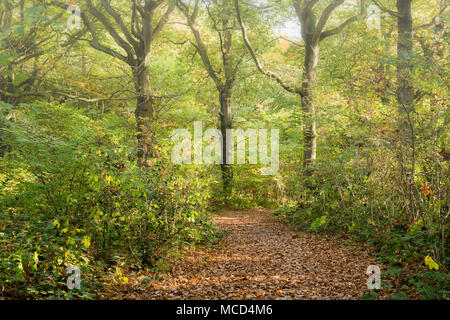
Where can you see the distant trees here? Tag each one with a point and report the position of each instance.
(25, 36)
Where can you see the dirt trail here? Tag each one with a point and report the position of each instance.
(263, 259)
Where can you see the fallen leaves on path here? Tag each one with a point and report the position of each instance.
(262, 259)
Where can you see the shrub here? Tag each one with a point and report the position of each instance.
(73, 195)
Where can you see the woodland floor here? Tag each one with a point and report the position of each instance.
(261, 258)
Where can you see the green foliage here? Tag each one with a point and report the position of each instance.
(250, 190)
(72, 194)
(358, 193)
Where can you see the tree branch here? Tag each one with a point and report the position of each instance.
(434, 20)
(338, 29)
(384, 9)
(110, 28)
(325, 16)
(164, 18)
(345, 24)
(120, 23)
(310, 5)
(200, 46)
(269, 74)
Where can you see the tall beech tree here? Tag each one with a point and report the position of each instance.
(223, 22)
(133, 34)
(314, 31)
(405, 89)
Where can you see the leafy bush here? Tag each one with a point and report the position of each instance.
(364, 194)
(73, 195)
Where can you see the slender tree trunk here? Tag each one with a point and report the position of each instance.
(223, 80)
(225, 123)
(144, 115)
(385, 68)
(309, 124)
(405, 91)
(225, 94)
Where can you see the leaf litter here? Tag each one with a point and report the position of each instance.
(261, 258)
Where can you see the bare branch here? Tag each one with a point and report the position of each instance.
(384, 9)
(135, 24)
(325, 16)
(269, 74)
(110, 28)
(200, 46)
(113, 13)
(293, 42)
(97, 45)
(112, 97)
(338, 29)
(164, 18)
(346, 23)
(310, 5)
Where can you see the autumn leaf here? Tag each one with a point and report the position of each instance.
(431, 263)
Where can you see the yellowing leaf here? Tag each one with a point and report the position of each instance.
(431, 263)
(56, 224)
(70, 241)
(86, 241)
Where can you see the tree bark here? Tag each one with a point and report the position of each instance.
(144, 116)
(309, 123)
(405, 92)
(225, 124)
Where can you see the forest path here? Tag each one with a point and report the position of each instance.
(263, 258)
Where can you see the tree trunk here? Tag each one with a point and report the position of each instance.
(309, 123)
(225, 123)
(144, 116)
(405, 92)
